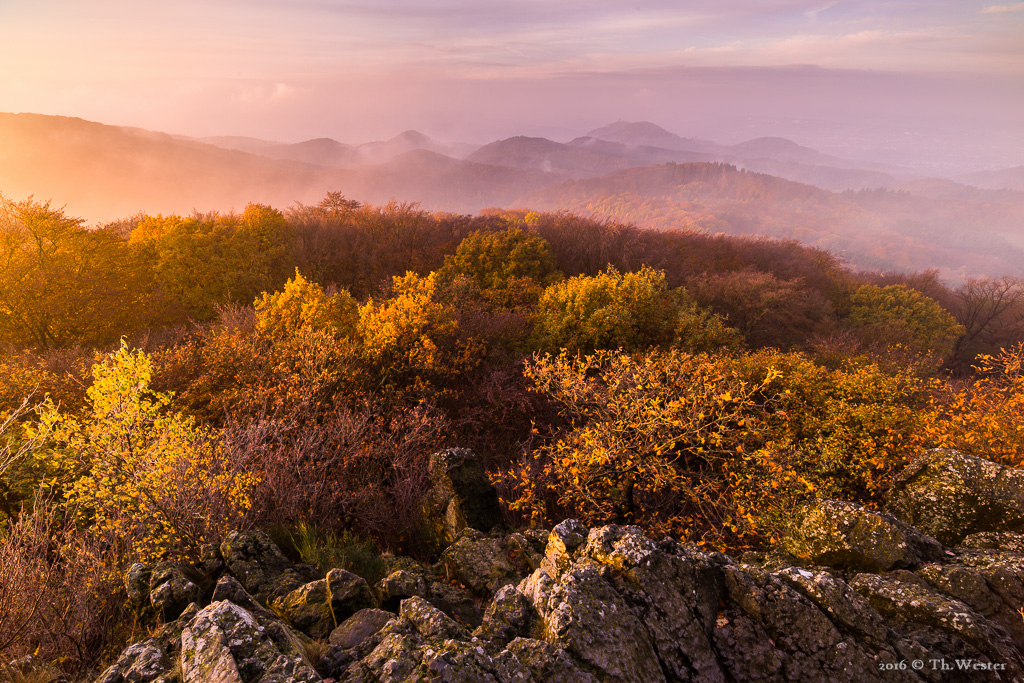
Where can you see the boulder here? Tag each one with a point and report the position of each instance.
(260, 566)
(456, 602)
(950, 495)
(136, 583)
(480, 563)
(461, 495)
(548, 663)
(360, 626)
(171, 590)
(508, 616)
(563, 540)
(224, 643)
(142, 662)
(348, 593)
(995, 540)
(307, 609)
(586, 616)
(838, 534)
(402, 584)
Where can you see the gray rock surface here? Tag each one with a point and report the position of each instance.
(838, 534)
(949, 495)
(461, 495)
(870, 596)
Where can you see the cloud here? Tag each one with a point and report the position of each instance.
(1000, 9)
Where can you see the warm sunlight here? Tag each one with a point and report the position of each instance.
(352, 341)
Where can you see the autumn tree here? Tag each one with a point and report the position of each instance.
(767, 310)
(510, 267)
(135, 467)
(648, 437)
(991, 312)
(899, 315)
(206, 260)
(63, 284)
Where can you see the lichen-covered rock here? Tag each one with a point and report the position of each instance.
(480, 563)
(771, 632)
(461, 495)
(838, 534)
(348, 593)
(308, 609)
(583, 614)
(508, 616)
(425, 644)
(526, 550)
(224, 643)
(402, 584)
(563, 540)
(456, 602)
(548, 663)
(611, 604)
(995, 540)
(964, 632)
(142, 662)
(229, 589)
(360, 626)
(171, 590)
(673, 591)
(136, 584)
(260, 566)
(949, 495)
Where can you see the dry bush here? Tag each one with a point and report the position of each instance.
(61, 596)
(362, 470)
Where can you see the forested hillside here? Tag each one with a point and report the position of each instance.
(168, 378)
(959, 231)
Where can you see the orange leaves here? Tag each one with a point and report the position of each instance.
(984, 417)
(646, 429)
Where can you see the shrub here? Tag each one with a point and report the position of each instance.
(61, 592)
(364, 470)
(135, 468)
(767, 311)
(510, 267)
(302, 306)
(647, 439)
(607, 311)
(899, 315)
(411, 335)
(983, 416)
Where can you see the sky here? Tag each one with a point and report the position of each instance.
(936, 80)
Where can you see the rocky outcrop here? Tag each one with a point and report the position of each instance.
(461, 496)
(949, 495)
(859, 596)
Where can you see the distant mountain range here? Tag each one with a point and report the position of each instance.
(636, 172)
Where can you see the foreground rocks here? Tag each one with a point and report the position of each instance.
(858, 596)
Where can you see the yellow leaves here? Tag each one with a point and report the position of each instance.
(302, 305)
(134, 468)
(402, 332)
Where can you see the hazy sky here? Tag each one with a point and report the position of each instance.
(929, 76)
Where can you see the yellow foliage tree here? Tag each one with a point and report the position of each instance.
(406, 333)
(303, 304)
(134, 467)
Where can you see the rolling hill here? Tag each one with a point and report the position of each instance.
(105, 172)
(876, 229)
